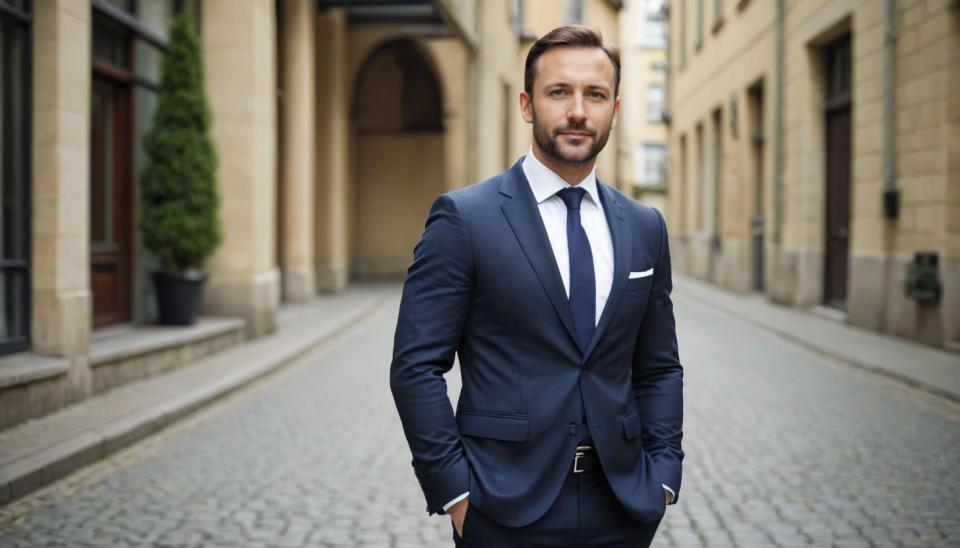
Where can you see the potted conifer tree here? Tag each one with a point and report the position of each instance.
(179, 204)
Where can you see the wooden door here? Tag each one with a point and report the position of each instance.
(837, 124)
(110, 201)
(758, 142)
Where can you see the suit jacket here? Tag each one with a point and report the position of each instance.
(484, 285)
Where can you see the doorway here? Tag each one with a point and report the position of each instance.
(837, 124)
(717, 190)
(757, 149)
(110, 201)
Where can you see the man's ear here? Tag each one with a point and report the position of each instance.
(616, 113)
(526, 107)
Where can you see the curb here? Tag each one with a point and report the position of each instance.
(28, 474)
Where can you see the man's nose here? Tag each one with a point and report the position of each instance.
(577, 112)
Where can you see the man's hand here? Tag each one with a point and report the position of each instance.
(457, 512)
(667, 497)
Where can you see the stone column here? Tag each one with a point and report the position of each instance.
(297, 149)
(333, 108)
(453, 71)
(60, 273)
(239, 49)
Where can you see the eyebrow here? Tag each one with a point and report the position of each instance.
(562, 83)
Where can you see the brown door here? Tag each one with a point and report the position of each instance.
(837, 125)
(110, 201)
(758, 140)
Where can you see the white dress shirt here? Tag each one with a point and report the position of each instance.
(553, 211)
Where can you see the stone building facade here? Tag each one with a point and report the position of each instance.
(336, 124)
(813, 156)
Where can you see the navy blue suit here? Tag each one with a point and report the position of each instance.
(484, 285)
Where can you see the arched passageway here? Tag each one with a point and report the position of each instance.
(398, 157)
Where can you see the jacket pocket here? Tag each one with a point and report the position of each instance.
(631, 426)
(639, 284)
(493, 426)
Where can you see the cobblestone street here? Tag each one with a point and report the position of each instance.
(784, 448)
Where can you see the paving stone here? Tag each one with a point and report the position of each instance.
(782, 450)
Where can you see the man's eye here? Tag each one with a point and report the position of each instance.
(596, 95)
(557, 93)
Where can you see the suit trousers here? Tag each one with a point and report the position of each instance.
(585, 513)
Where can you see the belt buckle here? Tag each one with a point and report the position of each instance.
(581, 452)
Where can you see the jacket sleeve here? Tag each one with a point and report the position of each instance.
(433, 311)
(658, 375)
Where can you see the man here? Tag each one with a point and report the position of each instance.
(554, 291)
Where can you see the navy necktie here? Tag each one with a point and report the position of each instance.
(583, 288)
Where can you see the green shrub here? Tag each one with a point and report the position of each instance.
(179, 222)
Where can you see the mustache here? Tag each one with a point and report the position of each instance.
(575, 127)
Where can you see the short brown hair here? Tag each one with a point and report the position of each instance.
(574, 36)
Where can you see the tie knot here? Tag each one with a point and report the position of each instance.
(572, 196)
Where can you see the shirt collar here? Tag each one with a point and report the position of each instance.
(545, 183)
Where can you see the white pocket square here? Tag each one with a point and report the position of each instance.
(643, 274)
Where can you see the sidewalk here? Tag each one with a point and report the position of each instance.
(933, 370)
(44, 450)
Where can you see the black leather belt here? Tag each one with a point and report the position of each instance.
(585, 459)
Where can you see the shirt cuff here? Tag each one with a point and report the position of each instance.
(673, 496)
(461, 497)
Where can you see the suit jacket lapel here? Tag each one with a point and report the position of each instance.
(622, 248)
(523, 215)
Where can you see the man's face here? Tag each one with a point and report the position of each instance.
(572, 107)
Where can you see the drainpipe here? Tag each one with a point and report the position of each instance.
(778, 126)
(891, 193)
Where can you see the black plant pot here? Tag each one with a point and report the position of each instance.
(178, 296)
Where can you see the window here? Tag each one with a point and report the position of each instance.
(700, 177)
(655, 103)
(157, 17)
(650, 165)
(651, 24)
(699, 40)
(125, 5)
(574, 11)
(515, 11)
(682, 190)
(683, 34)
(716, 227)
(15, 178)
(658, 66)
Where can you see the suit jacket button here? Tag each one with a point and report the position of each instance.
(573, 429)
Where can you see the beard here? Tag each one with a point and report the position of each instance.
(550, 143)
